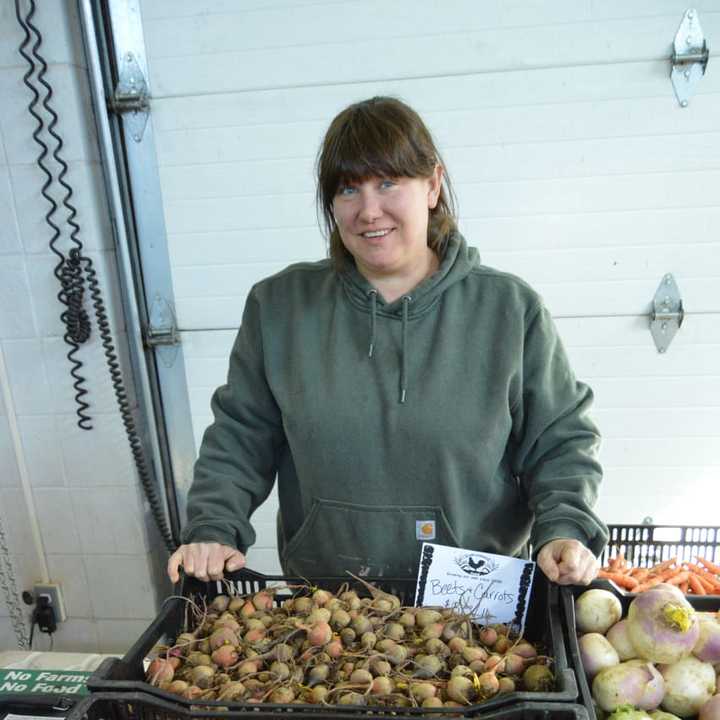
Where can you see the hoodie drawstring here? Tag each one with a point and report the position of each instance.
(373, 313)
(406, 300)
(404, 350)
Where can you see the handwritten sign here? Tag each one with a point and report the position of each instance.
(491, 588)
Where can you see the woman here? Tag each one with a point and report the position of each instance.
(400, 390)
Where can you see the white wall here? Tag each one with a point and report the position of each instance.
(80, 486)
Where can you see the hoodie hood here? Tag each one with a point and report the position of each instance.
(456, 263)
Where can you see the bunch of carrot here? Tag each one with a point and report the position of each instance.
(698, 578)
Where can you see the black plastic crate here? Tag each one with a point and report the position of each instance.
(645, 545)
(36, 705)
(138, 706)
(543, 625)
(702, 603)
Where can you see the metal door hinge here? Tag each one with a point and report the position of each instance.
(162, 333)
(131, 98)
(689, 58)
(667, 313)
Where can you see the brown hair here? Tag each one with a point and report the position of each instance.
(379, 137)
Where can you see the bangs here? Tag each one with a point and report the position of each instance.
(364, 148)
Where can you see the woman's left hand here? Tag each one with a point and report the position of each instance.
(567, 562)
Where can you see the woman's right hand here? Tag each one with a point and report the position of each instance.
(204, 560)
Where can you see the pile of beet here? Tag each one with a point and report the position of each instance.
(342, 649)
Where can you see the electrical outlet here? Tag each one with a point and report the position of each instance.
(52, 592)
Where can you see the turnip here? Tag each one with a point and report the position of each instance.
(707, 647)
(627, 712)
(662, 715)
(596, 653)
(623, 684)
(619, 637)
(662, 625)
(711, 709)
(596, 611)
(654, 688)
(689, 684)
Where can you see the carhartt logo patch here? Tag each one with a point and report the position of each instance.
(425, 529)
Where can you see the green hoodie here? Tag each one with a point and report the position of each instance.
(449, 415)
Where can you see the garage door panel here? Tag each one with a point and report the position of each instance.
(336, 61)
(608, 229)
(246, 178)
(221, 138)
(222, 307)
(456, 104)
(492, 236)
(153, 10)
(466, 164)
(667, 391)
(239, 213)
(660, 452)
(642, 362)
(653, 191)
(677, 422)
(284, 245)
(619, 264)
(245, 25)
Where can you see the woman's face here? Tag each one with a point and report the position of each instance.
(383, 222)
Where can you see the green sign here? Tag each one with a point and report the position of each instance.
(61, 682)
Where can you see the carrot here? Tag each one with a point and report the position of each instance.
(706, 576)
(624, 581)
(712, 567)
(695, 585)
(651, 583)
(662, 566)
(640, 574)
(679, 578)
(683, 587)
(709, 587)
(617, 562)
(667, 574)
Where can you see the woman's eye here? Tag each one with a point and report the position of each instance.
(387, 183)
(346, 190)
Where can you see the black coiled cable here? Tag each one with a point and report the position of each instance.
(72, 272)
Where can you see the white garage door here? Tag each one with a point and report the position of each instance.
(574, 165)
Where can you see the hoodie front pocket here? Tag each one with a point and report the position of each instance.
(369, 540)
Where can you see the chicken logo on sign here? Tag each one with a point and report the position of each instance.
(475, 564)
